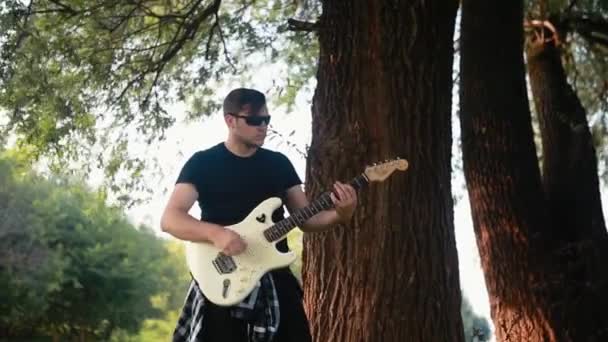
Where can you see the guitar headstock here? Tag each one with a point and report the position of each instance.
(381, 171)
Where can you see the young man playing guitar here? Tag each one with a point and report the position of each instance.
(229, 180)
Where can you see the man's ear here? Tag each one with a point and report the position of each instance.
(229, 120)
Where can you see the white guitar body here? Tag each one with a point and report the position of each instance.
(260, 257)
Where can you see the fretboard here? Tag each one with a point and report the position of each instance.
(322, 202)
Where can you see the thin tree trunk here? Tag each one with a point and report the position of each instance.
(571, 185)
(570, 176)
(501, 168)
(384, 90)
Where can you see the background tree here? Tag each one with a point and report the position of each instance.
(541, 241)
(174, 281)
(570, 168)
(80, 80)
(476, 328)
(580, 27)
(71, 266)
(29, 271)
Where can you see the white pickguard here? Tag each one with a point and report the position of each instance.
(260, 257)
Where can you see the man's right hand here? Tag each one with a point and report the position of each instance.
(229, 242)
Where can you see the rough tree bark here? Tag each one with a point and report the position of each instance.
(579, 240)
(501, 168)
(570, 175)
(384, 90)
(525, 225)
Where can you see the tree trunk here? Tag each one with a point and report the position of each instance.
(501, 168)
(543, 286)
(384, 90)
(570, 176)
(571, 185)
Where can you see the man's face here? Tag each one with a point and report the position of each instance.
(250, 128)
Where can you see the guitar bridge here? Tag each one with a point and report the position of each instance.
(224, 264)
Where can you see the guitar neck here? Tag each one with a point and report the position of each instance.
(322, 202)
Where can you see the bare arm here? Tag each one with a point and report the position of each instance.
(344, 203)
(178, 222)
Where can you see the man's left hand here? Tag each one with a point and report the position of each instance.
(344, 197)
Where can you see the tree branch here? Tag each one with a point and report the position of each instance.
(10, 48)
(151, 58)
(571, 6)
(65, 7)
(190, 30)
(178, 43)
(540, 27)
(124, 19)
(298, 25)
(592, 28)
(210, 38)
(226, 54)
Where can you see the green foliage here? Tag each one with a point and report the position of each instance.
(544, 8)
(29, 270)
(582, 23)
(583, 29)
(474, 325)
(71, 264)
(175, 280)
(74, 73)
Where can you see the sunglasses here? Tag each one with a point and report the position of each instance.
(253, 120)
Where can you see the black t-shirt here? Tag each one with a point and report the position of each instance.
(229, 186)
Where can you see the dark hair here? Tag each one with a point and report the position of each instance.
(238, 98)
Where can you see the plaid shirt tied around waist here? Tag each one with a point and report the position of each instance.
(260, 310)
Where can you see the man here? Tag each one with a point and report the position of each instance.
(229, 180)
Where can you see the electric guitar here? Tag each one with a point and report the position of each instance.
(227, 280)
